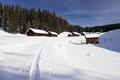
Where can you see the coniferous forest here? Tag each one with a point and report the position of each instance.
(102, 28)
(17, 19)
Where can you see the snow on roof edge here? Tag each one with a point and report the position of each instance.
(76, 33)
(53, 32)
(91, 35)
(38, 30)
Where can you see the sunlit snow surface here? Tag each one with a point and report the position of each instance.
(60, 58)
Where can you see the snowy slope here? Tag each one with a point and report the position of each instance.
(17, 53)
(110, 40)
(57, 58)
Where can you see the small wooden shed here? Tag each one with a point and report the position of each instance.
(36, 32)
(92, 38)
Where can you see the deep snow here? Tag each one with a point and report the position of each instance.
(60, 58)
(110, 40)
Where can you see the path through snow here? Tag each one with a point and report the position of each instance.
(35, 69)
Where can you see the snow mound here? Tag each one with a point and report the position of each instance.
(110, 40)
(78, 40)
(64, 34)
(3, 32)
(6, 34)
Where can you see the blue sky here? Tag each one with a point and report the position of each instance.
(82, 12)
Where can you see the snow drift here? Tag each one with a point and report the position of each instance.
(3, 33)
(64, 34)
(110, 40)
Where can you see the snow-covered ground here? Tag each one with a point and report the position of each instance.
(56, 58)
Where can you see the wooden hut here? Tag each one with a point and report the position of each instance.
(36, 32)
(92, 38)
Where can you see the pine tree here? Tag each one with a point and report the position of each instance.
(1, 9)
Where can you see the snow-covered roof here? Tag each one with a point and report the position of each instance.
(92, 35)
(76, 33)
(38, 31)
(54, 33)
(85, 32)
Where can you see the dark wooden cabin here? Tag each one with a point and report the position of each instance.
(92, 40)
(36, 32)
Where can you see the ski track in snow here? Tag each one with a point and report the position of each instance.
(35, 71)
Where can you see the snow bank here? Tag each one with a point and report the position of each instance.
(110, 40)
(6, 34)
(64, 34)
(78, 40)
(3, 33)
(65, 39)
